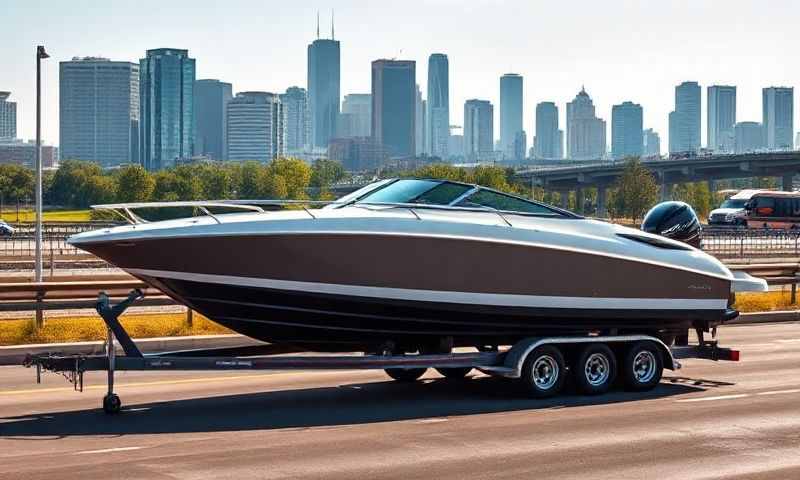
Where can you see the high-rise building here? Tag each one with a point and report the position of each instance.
(298, 128)
(356, 117)
(438, 106)
(586, 134)
(166, 106)
(99, 111)
(684, 121)
(357, 154)
(721, 118)
(15, 151)
(8, 117)
(394, 106)
(651, 143)
(510, 111)
(479, 131)
(256, 127)
(749, 137)
(626, 130)
(419, 123)
(520, 146)
(547, 139)
(323, 89)
(778, 117)
(210, 98)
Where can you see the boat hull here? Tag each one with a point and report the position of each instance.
(357, 291)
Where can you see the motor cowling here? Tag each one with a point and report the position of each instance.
(674, 220)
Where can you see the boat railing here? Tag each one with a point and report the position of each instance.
(127, 211)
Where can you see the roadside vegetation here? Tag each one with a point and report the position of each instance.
(88, 328)
(764, 302)
(28, 215)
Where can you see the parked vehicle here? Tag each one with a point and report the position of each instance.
(779, 210)
(732, 211)
(6, 230)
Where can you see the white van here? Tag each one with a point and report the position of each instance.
(731, 212)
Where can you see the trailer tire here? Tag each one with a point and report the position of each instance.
(112, 404)
(595, 369)
(642, 366)
(543, 372)
(406, 374)
(454, 373)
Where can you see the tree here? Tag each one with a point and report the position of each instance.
(252, 177)
(296, 174)
(216, 181)
(16, 182)
(134, 184)
(637, 190)
(325, 173)
(70, 181)
(99, 189)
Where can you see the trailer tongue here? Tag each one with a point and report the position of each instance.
(540, 364)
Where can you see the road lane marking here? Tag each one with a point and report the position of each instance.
(779, 392)
(711, 399)
(109, 450)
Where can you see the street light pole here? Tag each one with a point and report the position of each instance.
(40, 54)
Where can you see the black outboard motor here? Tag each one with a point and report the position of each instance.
(675, 220)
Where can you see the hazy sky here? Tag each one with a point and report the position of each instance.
(619, 49)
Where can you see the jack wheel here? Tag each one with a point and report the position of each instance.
(406, 374)
(454, 373)
(112, 404)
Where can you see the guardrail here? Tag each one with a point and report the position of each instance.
(729, 243)
(54, 238)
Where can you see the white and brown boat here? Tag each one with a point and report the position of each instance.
(411, 263)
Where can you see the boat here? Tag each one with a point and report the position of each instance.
(407, 265)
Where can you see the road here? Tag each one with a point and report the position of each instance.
(708, 420)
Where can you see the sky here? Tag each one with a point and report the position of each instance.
(618, 49)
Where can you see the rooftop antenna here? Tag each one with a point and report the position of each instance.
(317, 24)
(332, 35)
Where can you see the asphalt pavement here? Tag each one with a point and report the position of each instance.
(707, 420)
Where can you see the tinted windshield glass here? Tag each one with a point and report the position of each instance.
(430, 192)
(731, 203)
(498, 201)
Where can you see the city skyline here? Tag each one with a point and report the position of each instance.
(593, 54)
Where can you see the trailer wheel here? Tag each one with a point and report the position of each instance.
(112, 404)
(406, 374)
(543, 372)
(454, 373)
(595, 369)
(642, 366)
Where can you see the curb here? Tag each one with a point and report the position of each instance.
(14, 355)
(766, 317)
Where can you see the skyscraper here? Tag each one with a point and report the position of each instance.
(210, 98)
(99, 111)
(438, 106)
(393, 106)
(586, 134)
(778, 117)
(356, 115)
(419, 123)
(684, 121)
(651, 143)
(546, 141)
(166, 106)
(721, 118)
(8, 117)
(298, 129)
(626, 130)
(323, 89)
(510, 111)
(256, 127)
(479, 131)
(749, 137)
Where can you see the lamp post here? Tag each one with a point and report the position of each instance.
(40, 54)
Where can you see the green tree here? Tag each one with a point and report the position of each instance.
(70, 183)
(99, 189)
(296, 174)
(325, 173)
(216, 181)
(252, 177)
(134, 184)
(637, 189)
(16, 183)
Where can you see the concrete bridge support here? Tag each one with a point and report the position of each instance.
(579, 200)
(666, 191)
(786, 185)
(564, 196)
(602, 211)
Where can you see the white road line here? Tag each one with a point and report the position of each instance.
(711, 399)
(109, 450)
(778, 392)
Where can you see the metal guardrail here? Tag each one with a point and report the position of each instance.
(741, 242)
(54, 238)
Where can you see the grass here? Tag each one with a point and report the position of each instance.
(10, 215)
(764, 302)
(79, 329)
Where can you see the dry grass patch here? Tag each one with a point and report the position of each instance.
(764, 302)
(80, 329)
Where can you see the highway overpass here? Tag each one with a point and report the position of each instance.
(668, 172)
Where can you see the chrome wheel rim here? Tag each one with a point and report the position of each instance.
(597, 369)
(644, 366)
(545, 372)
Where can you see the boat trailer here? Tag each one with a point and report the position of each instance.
(498, 362)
